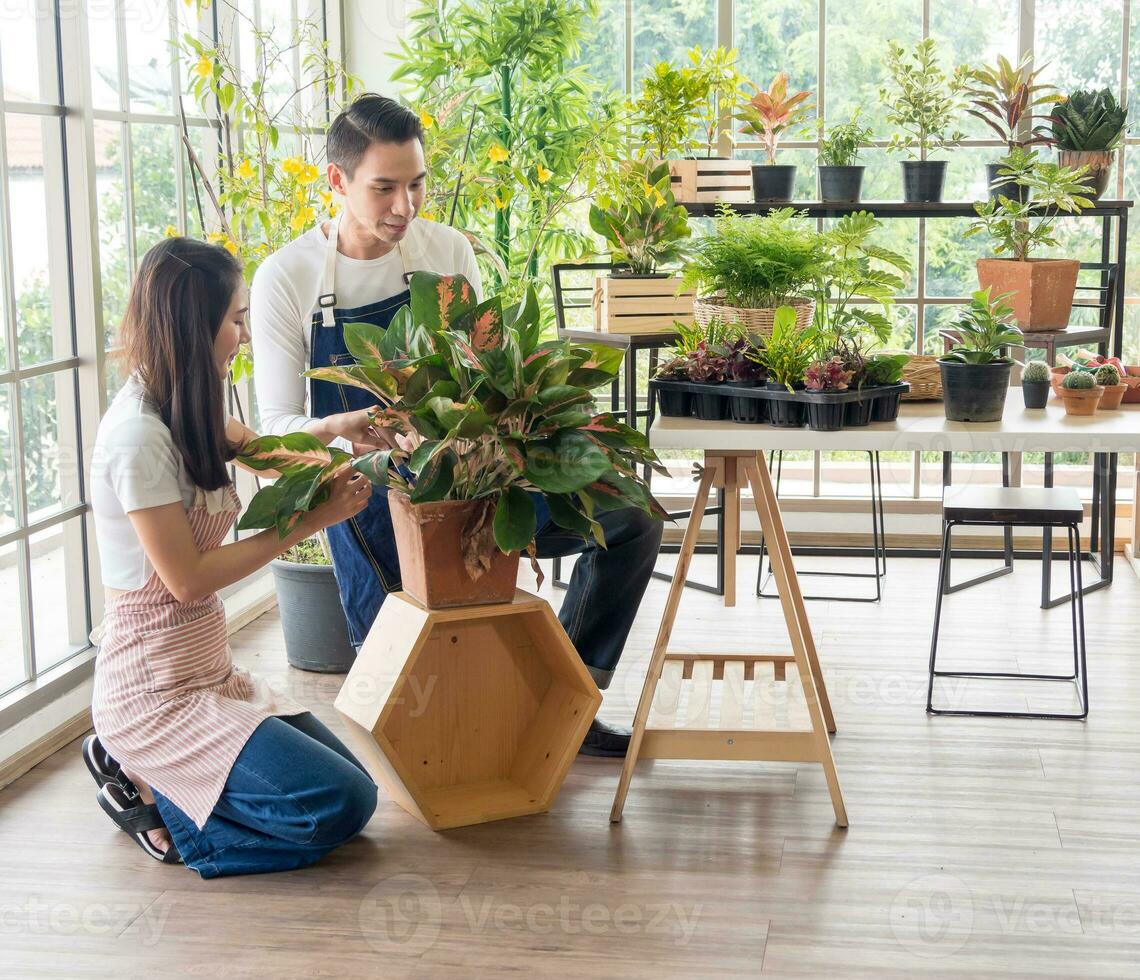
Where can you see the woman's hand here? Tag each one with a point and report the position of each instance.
(348, 496)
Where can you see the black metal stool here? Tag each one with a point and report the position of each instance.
(878, 540)
(1048, 507)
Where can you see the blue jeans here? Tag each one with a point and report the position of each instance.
(295, 793)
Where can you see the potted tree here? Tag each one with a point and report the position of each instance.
(679, 114)
(1006, 99)
(490, 415)
(769, 116)
(645, 229)
(750, 265)
(1087, 130)
(975, 372)
(1035, 384)
(922, 101)
(1080, 393)
(840, 178)
(1041, 289)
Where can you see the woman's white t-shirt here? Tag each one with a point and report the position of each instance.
(135, 465)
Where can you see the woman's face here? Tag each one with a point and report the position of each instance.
(233, 331)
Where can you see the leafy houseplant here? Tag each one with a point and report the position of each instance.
(1080, 392)
(491, 415)
(1087, 130)
(1035, 384)
(840, 178)
(922, 102)
(785, 357)
(769, 116)
(640, 219)
(1006, 98)
(752, 264)
(1042, 289)
(975, 372)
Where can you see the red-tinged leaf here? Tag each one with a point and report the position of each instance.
(487, 331)
(292, 451)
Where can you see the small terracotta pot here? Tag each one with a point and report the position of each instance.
(1132, 395)
(429, 542)
(1056, 375)
(1081, 401)
(1112, 397)
(1042, 289)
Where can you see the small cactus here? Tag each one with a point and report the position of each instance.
(1035, 373)
(1078, 381)
(1107, 375)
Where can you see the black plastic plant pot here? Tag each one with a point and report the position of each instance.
(742, 408)
(708, 406)
(673, 402)
(974, 392)
(823, 414)
(787, 414)
(840, 183)
(923, 181)
(1036, 394)
(1007, 188)
(858, 413)
(885, 408)
(773, 182)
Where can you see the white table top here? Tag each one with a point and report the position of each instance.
(923, 426)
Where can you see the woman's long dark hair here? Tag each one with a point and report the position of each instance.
(178, 301)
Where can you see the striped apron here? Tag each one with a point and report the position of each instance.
(168, 702)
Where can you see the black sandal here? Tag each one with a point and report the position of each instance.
(135, 819)
(102, 767)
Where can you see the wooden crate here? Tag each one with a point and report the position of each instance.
(468, 714)
(709, 181)
(640, 305)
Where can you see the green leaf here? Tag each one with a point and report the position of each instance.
(364, 341)
(565, 514)
(262, 509)
(438, 300)
(514, 524)
(290, 452)
(435, 479)
(568, 462)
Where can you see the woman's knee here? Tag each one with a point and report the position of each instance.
(352, 801)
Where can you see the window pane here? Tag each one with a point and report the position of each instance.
(205, 142)
(857, 36)
(603, 47)
(149, 56)
(103, 36)
(1080, 42)
(155, 191)
(779, 37)
(51, 473)
(951, 258)
(41, 335)
(114, 260)
(7, 462)
(116, 373)
(28, 32)
(12, 609)
(59, 608)
(664, 30)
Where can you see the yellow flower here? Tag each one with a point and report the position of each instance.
(427, 215)
(543, 174)
(659, 198)
(499, 201)
(292, 165)
(426, 119)
(302, 218)
(326, 197)
(308, 174)
(230, 246)
(498, 154)
(334, 210)
(246, 171)
(215, 238)
(204, 68)
(170, 231)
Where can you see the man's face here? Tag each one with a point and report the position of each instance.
(386, 190)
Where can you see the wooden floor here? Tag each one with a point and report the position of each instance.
(979, 848)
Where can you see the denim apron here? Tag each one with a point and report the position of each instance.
(363, 547)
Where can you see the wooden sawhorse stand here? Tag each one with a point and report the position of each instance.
(731, 741)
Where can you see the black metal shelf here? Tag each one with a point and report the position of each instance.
(893, 209)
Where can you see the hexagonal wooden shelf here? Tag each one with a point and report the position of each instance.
(468, 714)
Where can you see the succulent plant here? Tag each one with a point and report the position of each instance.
(1078, 381)
(1035, 373)
(1107, 375)
(1089, 121)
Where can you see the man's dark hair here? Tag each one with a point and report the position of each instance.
(370, 119)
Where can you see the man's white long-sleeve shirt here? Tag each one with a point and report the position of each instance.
(283, 299)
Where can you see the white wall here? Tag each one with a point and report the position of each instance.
(372, 29)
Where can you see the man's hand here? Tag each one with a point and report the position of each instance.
(358, 429)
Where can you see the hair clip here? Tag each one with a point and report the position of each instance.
(178, 258)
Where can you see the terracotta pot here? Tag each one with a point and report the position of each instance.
(1056, 375)
(1081, 401)
(429, 542)
(1042, 289)
(1132, 395)
(1112, 397)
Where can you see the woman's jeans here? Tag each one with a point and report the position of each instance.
(295, 793)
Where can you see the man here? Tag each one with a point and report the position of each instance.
(353, 268)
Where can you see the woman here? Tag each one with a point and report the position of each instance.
(195, 758)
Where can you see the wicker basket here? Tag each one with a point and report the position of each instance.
(925, 378)
(756, 322)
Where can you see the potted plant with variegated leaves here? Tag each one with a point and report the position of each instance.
(490, 416)
(770, 115)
